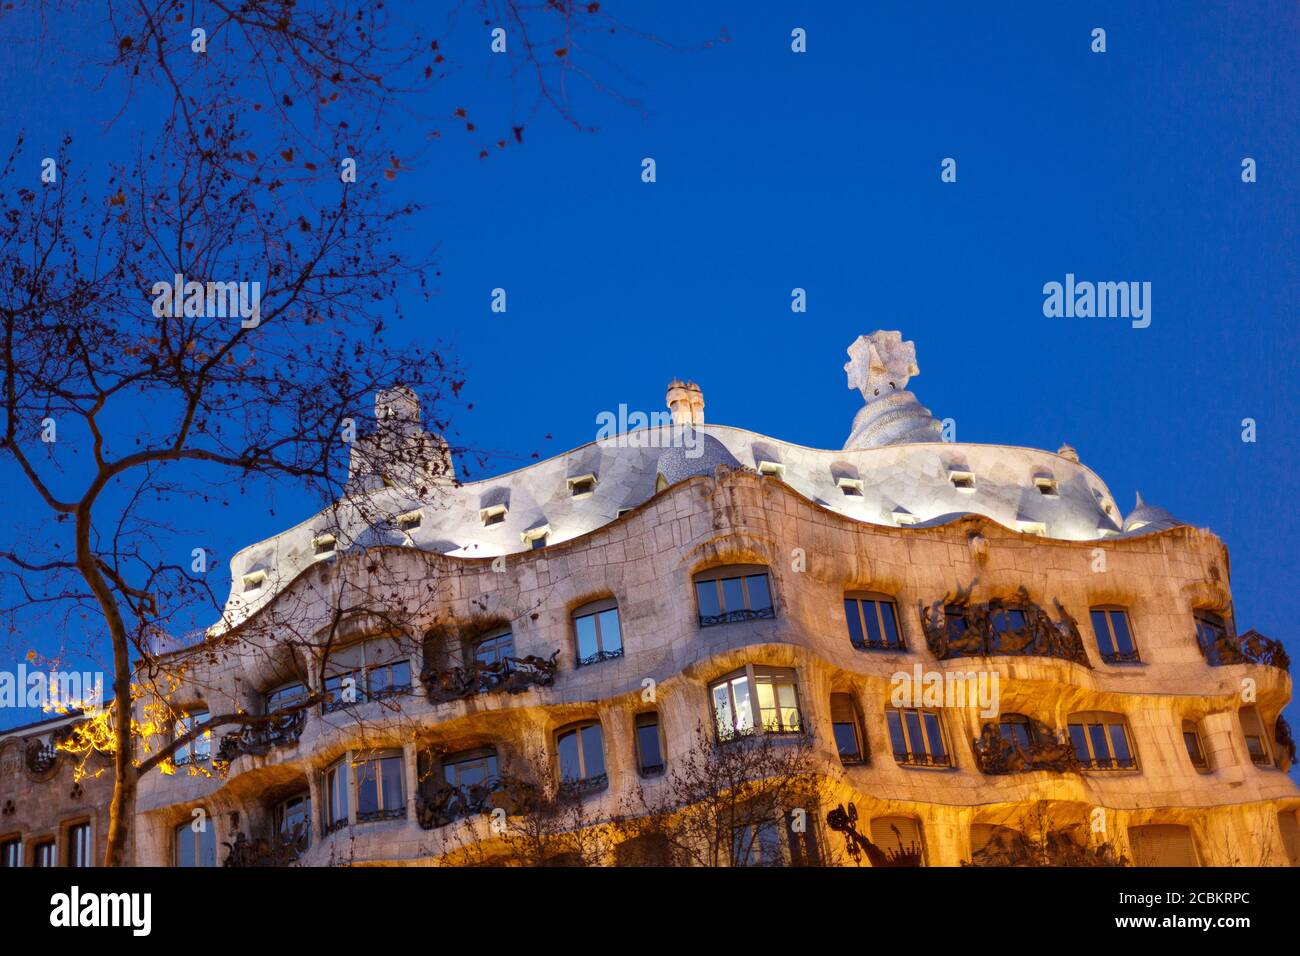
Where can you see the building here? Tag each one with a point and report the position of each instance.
(587, 617)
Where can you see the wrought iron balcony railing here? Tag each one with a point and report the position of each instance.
(600, 656)
(388, 813)
(956, 626)
(1249, 648)
(922, 760)
(283, 849)
(259, 740)
(584, 786)
(338, 702)
(510, 674)
(733, 617)
(995, 754)
(438, 806)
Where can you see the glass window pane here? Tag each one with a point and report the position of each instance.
(394, 783)
(915, 739)
(1119, 745)
(570, 761)
(760, 598)
(367, 786)
(1193, 746)
(593, 752)
(722, 710)
(733, 595)
(706, 593)
(1080, 743)
(587, 644)
(767, 705)
(1100, 747)
(185, 844)
(846, 740)
(890, 623)
(1123, 640)
(611, 638)
(1101, 632)
(744, 710)
(896, 738)
(873, 623)
(934, 736)
(208, 846)
(851, 613)
(647, 739)
(789, 703)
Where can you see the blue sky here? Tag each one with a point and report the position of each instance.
(821, 171)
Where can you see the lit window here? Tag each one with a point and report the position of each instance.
(756, 699)
(1195, 751)
(1256, 739)
(1114, 638)
(197, 750)
(736, 593)
(872, 621)
(381, 786)
(917, 737)
(649, 745)
(195, 843)
(847, 728)
(580, 750)
(597, 628)
(1101, 742)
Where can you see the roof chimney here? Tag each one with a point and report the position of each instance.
(686, 402)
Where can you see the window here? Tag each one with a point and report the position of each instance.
(597, 629)
(962, 480)
(771, 690)
(847, 728)
(850, 487)
(286, 695)
(471, 768)
(381, 786)
(580, 750)
(1047, 487)
(1114, 639)
(1101, 742)
(254, 581)
(756, 844)
(1162, 845)
(495, 648)
(409, 521)
(197, 750)
(323, 545)
(389, 680)
(336, 796)
(11, 852)
(535, 538)
(801, 837)
(79, 845)
(873, 621)
(1017, 730)
(898, 836)
(917, 737)
(1256, 739)
(582, 486)
(774, 468)
(293, 818)
(736, 593)
(43, 854)
(344, 689)
(1211, 634)
(493, 515)
(649, 745)
(195, 843)
(1195, 750)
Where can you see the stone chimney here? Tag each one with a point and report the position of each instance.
(686, 402)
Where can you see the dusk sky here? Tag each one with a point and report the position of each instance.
(821, 170)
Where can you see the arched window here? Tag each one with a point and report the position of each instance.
(597, 632)
(738, 592)
(872, 620)
(495, 647)
(756, 699)
(917, 737)
(1017, 730)
(580, 752)
(194, 842)
(1195, 747)
(1101, 741)
(1114, 636)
